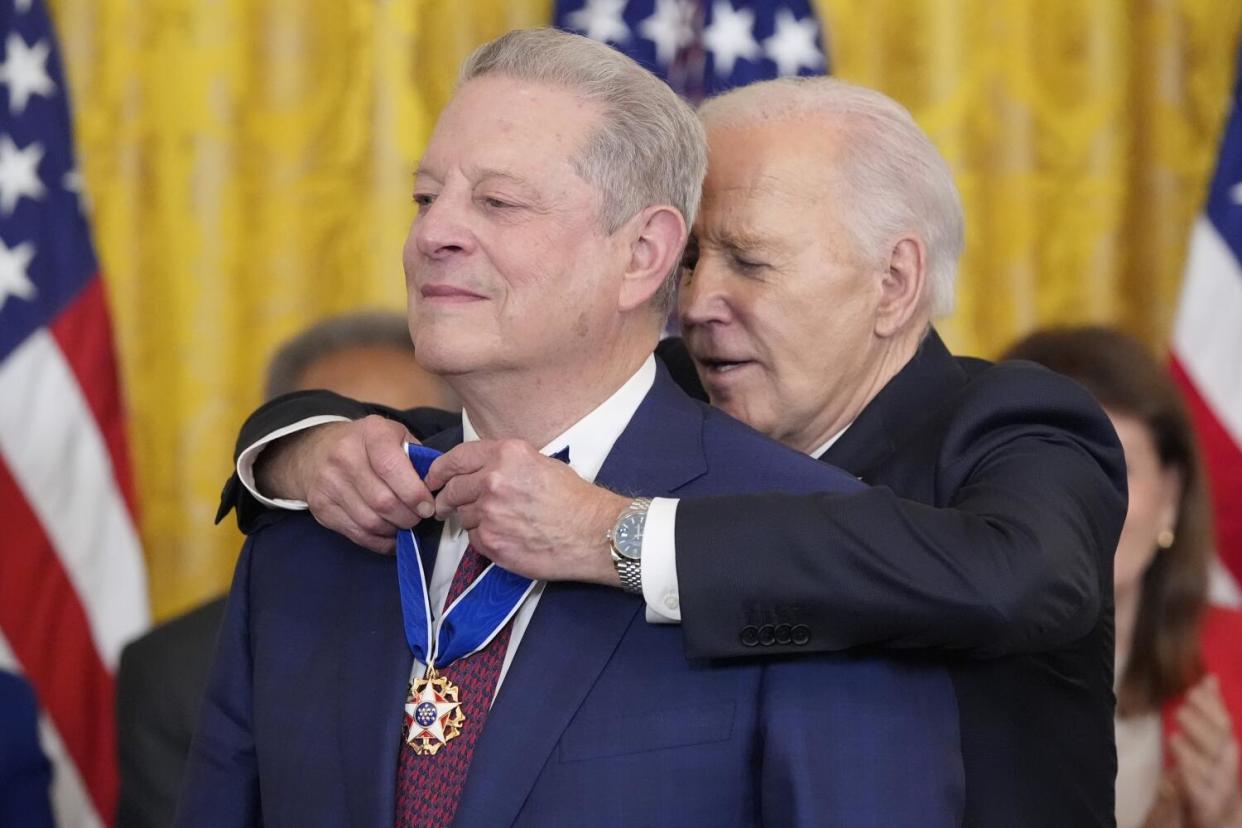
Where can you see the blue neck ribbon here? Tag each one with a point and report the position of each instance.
(474, 619)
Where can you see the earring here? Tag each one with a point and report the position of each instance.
(1165, 539)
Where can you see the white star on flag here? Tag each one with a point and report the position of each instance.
(669, 28)
(23, 5)
(14, 281)
(792, 45)
(18, 173)
(72, 182)
(601, 20)
(436, 729)
(1235, 193)
(25, 71)
(731, 36)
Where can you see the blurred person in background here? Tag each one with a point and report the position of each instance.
(162, 674)
(1178, 662)
(25, 773)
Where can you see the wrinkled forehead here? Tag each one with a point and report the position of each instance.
(793, 157)
(503, 122)
(753, 174)
(772, 186)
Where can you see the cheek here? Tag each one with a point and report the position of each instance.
(409, 256)
(1137, 545)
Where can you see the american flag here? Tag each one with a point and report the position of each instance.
(702, 48)
(1207, 346)
(72, 587)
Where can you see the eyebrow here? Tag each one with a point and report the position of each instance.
(736, 238)
(480, 173)
(422, 172)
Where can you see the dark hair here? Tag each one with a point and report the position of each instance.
(1121, 373)
(330, 336)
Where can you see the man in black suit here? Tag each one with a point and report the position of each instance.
(827, 243)
(162, 674)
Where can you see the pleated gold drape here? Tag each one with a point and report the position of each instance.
(249, 163)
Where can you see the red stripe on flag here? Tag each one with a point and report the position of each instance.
(85, 337)
(1223, 461)
(47, 627)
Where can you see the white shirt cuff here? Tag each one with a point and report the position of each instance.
(245, 460)
(659, 563)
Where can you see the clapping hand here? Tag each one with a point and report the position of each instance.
(1205, 754)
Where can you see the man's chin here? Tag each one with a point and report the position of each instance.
(448, 359)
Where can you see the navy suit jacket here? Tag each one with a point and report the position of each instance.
(600, 719)
(25, 773)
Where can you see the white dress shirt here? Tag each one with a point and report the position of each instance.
(589, 440)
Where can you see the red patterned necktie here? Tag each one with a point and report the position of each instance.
(429, 787)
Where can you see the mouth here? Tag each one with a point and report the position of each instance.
(448, 294)
(716, 367)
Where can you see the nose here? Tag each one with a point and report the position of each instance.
(702, 299)
(441, 230)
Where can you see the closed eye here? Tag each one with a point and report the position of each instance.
(745, 265)
(496, 203)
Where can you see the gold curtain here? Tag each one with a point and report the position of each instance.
(1082, 134)
(249, 163)
(249, 166)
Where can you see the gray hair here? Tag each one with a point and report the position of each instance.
(331, 336)
(650, 148)
(894, 179)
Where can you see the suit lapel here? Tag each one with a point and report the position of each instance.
(576, 627)
(371, 686)
(909, 398)
(374, 674)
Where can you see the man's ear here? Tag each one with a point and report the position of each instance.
(656, 236)
(901, 287)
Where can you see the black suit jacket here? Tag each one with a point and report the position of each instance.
(998, 494)
(998, 497)
(159, 689)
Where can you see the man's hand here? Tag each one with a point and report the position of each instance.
(355, 477)
(531, 514)
(1207, 758)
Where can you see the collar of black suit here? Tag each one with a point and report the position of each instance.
(918, 390)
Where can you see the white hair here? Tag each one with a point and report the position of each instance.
(650, 148)
(893, 178)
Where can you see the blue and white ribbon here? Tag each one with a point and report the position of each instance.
(474, 619)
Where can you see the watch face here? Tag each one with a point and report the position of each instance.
(629, 535)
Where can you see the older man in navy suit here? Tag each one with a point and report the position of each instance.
(553, 203)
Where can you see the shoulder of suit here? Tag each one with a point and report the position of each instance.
(1022, 382)
(767, 463)
(1015, 399)
(294, 539)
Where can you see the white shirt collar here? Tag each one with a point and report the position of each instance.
(591, 439)
(819, 452)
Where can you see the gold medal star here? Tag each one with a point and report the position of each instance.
(433, 714)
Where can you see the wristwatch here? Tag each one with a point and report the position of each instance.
(626, 540)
